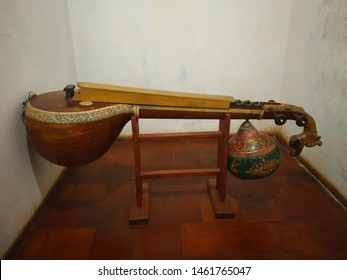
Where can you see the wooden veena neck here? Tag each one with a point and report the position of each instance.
(129, 95)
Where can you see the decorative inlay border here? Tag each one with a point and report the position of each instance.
(76, 117)
(113, 110)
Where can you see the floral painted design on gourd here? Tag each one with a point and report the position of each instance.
(252, 154)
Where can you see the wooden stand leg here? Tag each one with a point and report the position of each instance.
(217, 188)
(139, 212)
(137, 158)
(222, 209)
(224, 127)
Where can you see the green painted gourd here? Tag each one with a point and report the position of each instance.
(252, 154)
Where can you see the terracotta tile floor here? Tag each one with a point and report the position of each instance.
(285, 216)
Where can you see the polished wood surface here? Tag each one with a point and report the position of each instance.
(55, 101)
(71, 144)
(74, 144)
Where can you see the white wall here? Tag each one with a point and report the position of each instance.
(315, 77)
(229, 47)
(35, 54)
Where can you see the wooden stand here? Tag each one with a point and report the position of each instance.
(139, 212)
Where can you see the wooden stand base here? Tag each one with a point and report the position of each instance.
(140, 214)
(222, 209)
